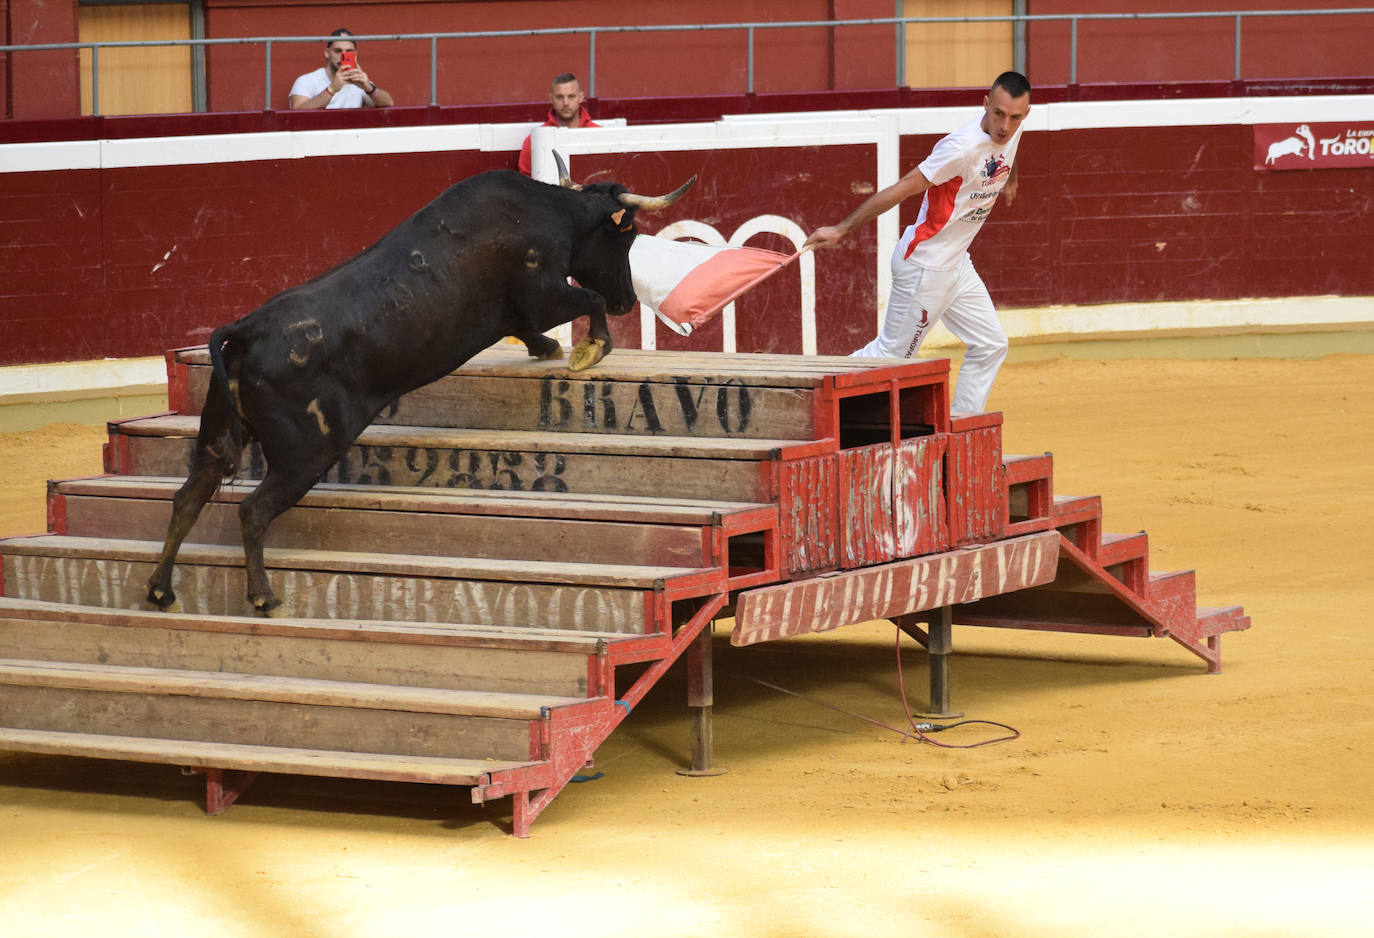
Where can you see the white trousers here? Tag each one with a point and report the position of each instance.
(923, 296)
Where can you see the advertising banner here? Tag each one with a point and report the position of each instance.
(1348, 145)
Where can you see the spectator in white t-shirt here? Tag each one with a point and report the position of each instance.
(338, 84)
(932, 275)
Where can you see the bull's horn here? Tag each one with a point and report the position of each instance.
(564, 179)
(654, 203)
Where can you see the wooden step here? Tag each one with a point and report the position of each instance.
(1079, 518)
(265, 710)
(1030, 493)
(550, 504)
(521, 460)
(1021, 469)
(700, 394)
(1122, 548)
(292, 761)
(1216, 620)
(1172, 596)
(458, 657)
(1126, 557)
(544, 396)
(352, 585)
(228, 685)
(425, 521)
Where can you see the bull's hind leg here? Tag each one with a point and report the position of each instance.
(216, 455)
(278, 491)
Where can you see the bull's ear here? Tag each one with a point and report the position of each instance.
(617, 216)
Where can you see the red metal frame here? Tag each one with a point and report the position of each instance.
(565, 738)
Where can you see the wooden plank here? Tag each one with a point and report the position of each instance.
(763, 369)
(919, 485)
(631, 576)
(655, 509)
(1021, 468)
(1119, 548)
(523, 440)
(460, 635)
(807, 515)
(687, 406)
(519, 470)
(867, 521)
(1216, 620)
(215, 589)
(232, 685)
(404, 532)
(263, 723)
(894, 589)
(976, 484)
(512, 669)
(281, 689)
(370, 765)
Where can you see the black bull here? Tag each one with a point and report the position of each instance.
(307, 371)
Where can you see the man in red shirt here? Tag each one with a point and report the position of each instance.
(566, 110)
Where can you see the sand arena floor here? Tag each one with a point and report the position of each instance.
(1143, 798)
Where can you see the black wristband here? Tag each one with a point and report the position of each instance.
(373, 91)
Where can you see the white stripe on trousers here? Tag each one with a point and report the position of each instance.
(920, 298)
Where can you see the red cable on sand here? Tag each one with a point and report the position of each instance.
(915, 727)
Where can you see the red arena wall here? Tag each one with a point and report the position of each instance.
(1196, 49)
(111, 259)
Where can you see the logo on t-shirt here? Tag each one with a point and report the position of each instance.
(995, 169)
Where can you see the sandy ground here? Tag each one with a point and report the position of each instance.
(1143, 798)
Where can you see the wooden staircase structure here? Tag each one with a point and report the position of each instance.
(468, 584)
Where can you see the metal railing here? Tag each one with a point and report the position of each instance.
(899, 24)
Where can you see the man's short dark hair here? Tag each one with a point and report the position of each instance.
(1013, 83)
(565, 78)
(339, 33)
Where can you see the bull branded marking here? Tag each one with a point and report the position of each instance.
(645, 407)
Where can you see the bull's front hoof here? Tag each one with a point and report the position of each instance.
(586, 354)
(164, 600)
(269, 607)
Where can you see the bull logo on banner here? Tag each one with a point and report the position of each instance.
(1302, 139)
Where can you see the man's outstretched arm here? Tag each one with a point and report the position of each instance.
(912, 184)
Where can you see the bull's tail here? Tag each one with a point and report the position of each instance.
(234, 432)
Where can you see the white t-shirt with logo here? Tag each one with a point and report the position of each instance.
(312, 83)
(966, 170)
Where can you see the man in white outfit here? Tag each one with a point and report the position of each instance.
(932, 275)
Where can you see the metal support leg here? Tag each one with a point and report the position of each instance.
(219, 795)
(700, 698)
(940, 645)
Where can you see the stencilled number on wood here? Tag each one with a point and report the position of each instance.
(490, 470)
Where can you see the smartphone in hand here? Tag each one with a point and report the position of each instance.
(348, 59)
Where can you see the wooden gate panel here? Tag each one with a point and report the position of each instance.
(976, 486)
(807, 519)
(919, 496)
